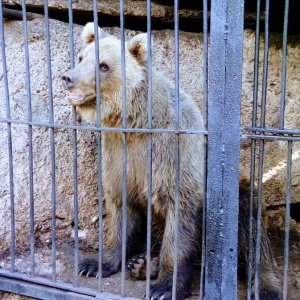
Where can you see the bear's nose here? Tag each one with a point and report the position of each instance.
(68, 80)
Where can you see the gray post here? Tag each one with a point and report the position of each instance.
(224, 101)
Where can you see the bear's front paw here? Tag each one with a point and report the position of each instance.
(137, 267)
(161, 291)
(89, 268)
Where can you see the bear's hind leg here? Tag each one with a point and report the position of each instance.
(270, 282)
(188, 247)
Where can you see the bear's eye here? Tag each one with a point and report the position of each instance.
(104, 67)
(80, 59)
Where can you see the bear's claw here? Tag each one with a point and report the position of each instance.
(163, 291)
(88, 267)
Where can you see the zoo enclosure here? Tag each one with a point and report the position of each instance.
(223, 75)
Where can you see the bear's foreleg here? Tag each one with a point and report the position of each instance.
(112, 249)
(112, 252)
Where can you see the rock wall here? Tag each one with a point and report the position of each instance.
(162, 12)
(191, 80)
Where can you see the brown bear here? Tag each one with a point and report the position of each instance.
(80, 83)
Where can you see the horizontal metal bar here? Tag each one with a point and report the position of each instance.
(273, 130)
(105, 129)
(38, 291)
(270, 137)
(43, 288)
(44, 281)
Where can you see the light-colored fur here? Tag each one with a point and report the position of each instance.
(80, 82)
(191, 150)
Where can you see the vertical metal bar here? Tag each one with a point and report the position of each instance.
(283, 68)
(149, 203)
(100, 209)
(177, 165)
(233, 97)
(124, 149)
(205, 100)
(259, 214)
(71, 42)
(261, 152)
(97, 72)
(251, 203)
(28, 90)
(74, 142)
(205, 61)
(224, 102)
(250, 245)
(289, 156)
(99, 146)
(265, 66)
(253, 151)
(213, 259)
(51, 129)
(9, 143)
(256, 64)
(287, 220)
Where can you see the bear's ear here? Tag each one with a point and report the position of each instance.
(88, 33)
(137, 46)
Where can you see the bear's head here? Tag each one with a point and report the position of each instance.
(80, 82)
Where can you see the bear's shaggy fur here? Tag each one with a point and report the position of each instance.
(80, 83)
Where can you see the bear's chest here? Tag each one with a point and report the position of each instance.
(116, 163)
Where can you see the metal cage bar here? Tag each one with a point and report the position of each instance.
(253, 150)
(74, 145)
(23, 284)
(52, 145)
(124, 149)
(287, 219)
(205, 117)
(261, 153)
(9, 142)
(149, 196)
(30, 148)
(283, 67)
(289, 154)
(99, 147)
(176, 153)
(225, 78)
(105, 129)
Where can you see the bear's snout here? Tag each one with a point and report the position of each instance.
(68, 79)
